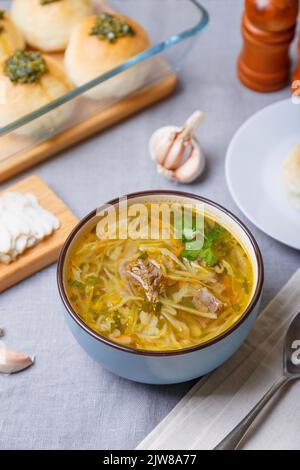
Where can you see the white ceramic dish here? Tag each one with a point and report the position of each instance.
(254, 170)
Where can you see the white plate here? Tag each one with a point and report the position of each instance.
(254, 170)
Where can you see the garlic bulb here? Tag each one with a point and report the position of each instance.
(12, 362)
(177, 152)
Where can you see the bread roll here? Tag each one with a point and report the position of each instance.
(11, 38)
(19, 99)
(48, 26)
(291, 175)
(89, 56)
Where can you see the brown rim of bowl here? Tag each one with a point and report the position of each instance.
(177, 352)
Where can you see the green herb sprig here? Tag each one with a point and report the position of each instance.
(207, 249)
(79, 285)
(111, 28)
(47, 2)
(25, 67)
(2, 17)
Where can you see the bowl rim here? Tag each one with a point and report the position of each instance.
(142, 352)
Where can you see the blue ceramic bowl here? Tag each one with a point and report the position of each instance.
(166, 367)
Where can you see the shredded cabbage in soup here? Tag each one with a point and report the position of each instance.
(160, 294)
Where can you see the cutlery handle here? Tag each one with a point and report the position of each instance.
(234, 438)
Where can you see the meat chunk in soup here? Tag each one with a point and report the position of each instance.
(205, 300)
(148, 276)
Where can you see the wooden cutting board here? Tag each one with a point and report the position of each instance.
(35, 153)
(46, 252)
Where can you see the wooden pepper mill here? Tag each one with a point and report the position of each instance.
(268, 29)
(296, 75)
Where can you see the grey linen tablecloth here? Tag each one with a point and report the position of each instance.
(67, 401)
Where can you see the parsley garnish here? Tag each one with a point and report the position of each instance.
(47, 2)
(205, 250)
(111, 28)
(77, 284)
(25, 67)
(92, 280)
(246, 286)
(2, 17)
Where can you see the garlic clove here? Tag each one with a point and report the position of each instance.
(161, 143)
(176, 154)
(169, 174)
(176, 151)
(194, 122)
(12, 361)
(192, 168)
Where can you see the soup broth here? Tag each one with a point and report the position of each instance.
(160, 294)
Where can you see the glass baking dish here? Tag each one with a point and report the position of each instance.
(37, 135)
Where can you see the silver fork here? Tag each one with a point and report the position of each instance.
(291, 371)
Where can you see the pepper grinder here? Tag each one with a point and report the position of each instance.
(296, 75)
(268, 28)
